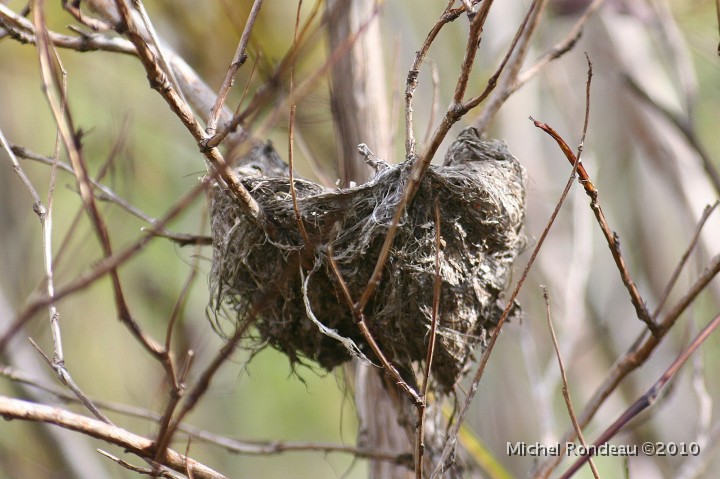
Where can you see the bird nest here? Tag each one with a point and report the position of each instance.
(263, 269)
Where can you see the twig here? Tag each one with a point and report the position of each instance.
(565, 388)
(360, 321)
(264, 93)
(237, 61)
(560, 48)
(162, 56)
(229, 444)
(635, 357)
(448, 15)
(520, 33)
(434, 103)
(24, 31)
(420, 165)
(139, 470)
(71, 140)
(92, 23)
(514, 58)
(291, 138)
(102, 267)
(203, 382)
(176, 382)
(612, 239)
(158, 81)
(140, 446)
(683, 260)
(422, 409)
(452, 434)
(104, 193)
(649, 398)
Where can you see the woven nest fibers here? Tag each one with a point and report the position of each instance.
(262, 270)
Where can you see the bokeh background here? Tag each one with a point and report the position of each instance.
(652, 187)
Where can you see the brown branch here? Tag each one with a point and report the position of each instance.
(422, 409)
(612, 238)
(102, 267)
(447, 16)
(560, 48)
(23, 30)
(104, 193)
(686, 255)
(138, 445)
(565, 388)
(159, 82)
(72, 142)
(237, 61)
(647, 399)
(635, 357)
(360, 321)
(453, 431)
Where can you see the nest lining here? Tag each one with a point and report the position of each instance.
(267, 267)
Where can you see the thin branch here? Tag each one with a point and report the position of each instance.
(140, 446)
(685, 127)
(520, 33)
(237, 61)
(448, 15)
(360, 321)
(514, 63)
(565, 388)
(145, 471)
(159, 82)
(104, 193)
(635, 357)
(612, 238)
(162, 55)
(72, 142)
(560, 48)
(102, 267)
(683, 260)
(649, 398)
(291, 137)
(23, 30)
(453, 431)
(422, 409)
(229, 444)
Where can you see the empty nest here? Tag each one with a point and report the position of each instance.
(264, 271)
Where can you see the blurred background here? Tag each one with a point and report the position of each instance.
(653, 189)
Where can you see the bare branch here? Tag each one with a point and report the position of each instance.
(237, 61)
(140, 446)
